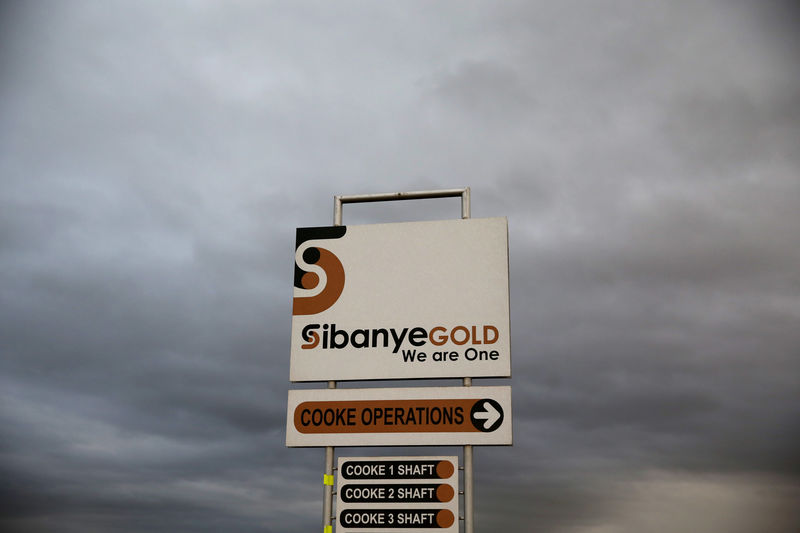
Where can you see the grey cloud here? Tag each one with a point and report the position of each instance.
(487, 91)
(732, 131)
(155, 160)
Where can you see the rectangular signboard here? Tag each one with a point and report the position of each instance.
(401, 301)
(398, 417)
(397, 494)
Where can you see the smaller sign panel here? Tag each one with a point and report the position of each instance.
(397, 494)
(396, 417)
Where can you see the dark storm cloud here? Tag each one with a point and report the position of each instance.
(156, 158)
(669, 330)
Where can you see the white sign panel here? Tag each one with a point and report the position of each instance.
(397, 301)
(399, 417)
(397, 494)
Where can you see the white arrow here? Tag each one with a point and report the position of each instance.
(491, 415)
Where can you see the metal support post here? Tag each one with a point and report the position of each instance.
(468, 505)
(327, 495)
(469, 524)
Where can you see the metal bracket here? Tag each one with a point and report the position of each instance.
(338, 201)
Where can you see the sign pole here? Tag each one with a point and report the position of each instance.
(327, 498)
(468, 505)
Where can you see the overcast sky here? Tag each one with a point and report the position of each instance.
(156, 158)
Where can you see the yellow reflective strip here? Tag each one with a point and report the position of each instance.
(327, 529)
(327, 480)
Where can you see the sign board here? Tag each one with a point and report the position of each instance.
(397, 494)
(401, 301)
(397, 417)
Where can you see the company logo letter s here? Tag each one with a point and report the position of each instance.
(330, 264)
(311, 336)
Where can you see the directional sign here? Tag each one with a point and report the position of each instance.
(396, 417)
(397, 494)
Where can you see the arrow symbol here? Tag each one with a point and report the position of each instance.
(490, 414)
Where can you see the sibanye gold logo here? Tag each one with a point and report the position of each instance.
(327, 261)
